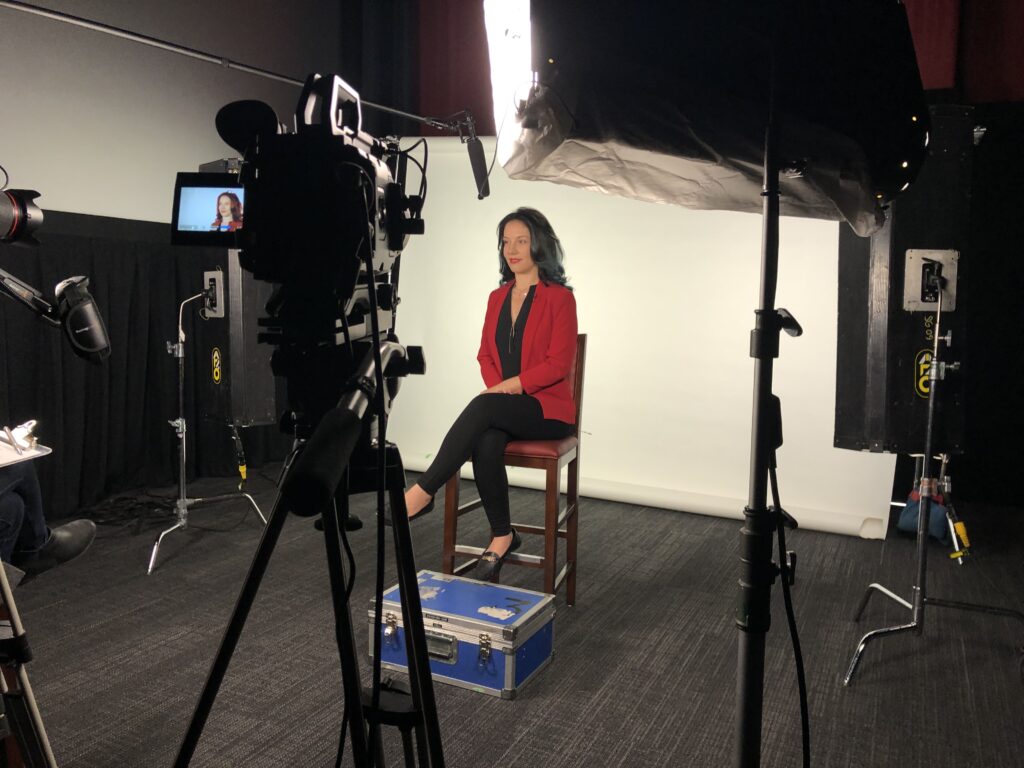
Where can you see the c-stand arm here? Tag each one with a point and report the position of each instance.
(30, 297)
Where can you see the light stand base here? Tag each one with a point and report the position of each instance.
(181, 508)
(917, 624)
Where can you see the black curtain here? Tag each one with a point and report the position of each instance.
(993, 367)
(108, 423)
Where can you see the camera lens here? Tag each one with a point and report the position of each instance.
(20, 217)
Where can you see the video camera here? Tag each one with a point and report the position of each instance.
(321, 213)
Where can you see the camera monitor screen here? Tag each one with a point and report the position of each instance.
(209, 209)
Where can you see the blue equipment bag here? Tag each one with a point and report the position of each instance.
(937, 527)
(485, 637)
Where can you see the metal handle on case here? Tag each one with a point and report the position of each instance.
(442, 647)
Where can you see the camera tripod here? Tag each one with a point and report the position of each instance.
(19, 716)
(929, 488)
(183, 503)
(316, 479)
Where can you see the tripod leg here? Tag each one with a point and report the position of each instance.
(872, 588)
(228, 497)
(421, 682)
(156, 545)
(351, 680)
(27, 722)
(874, 635)
(257, 569)
(256, 507)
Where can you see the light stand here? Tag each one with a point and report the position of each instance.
(183, 503)
(757, 571)
(929, 488)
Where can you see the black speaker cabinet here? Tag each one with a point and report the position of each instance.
(887, 316)
(237, 385)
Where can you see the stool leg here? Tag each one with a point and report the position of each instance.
(551, 528)
(451, 524)
(573, 500)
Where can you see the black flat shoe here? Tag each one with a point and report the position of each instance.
(489, 565)
(425, 511)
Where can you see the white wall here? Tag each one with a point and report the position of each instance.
(667, 298)
(100, 125)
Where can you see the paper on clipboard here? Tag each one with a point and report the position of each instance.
(19, 444)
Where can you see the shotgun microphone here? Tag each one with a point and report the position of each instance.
(477, 161)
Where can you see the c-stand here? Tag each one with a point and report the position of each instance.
(183, 503)
(929, 487)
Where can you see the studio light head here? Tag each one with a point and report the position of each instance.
(81, 319)
(20, 217)
(670, 105)
(74, 309)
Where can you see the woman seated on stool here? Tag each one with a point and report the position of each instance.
(527, 351)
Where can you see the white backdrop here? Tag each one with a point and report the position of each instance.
(666, 296)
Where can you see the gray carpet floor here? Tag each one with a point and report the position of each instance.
(644, 667)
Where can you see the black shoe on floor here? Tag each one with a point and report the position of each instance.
(64, 544)
(489, 565)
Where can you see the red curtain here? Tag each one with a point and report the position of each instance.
(935, 27)
(993, 50)
(972, 47)
(455, 73)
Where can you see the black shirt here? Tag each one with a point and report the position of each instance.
(509, 337)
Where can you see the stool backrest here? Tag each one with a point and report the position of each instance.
(576, 378)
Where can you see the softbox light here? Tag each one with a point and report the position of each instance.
(667, 102)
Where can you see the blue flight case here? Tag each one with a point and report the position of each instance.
(485, 637)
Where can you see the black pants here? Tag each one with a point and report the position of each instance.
(482, 430)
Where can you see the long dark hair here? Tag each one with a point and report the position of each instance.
(236, 206)
(545, 248)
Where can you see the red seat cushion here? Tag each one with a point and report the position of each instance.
(541, 449)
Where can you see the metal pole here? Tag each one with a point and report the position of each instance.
(757, 573)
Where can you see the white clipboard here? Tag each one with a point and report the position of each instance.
(18, 445)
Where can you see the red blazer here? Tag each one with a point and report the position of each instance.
(549, 348)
